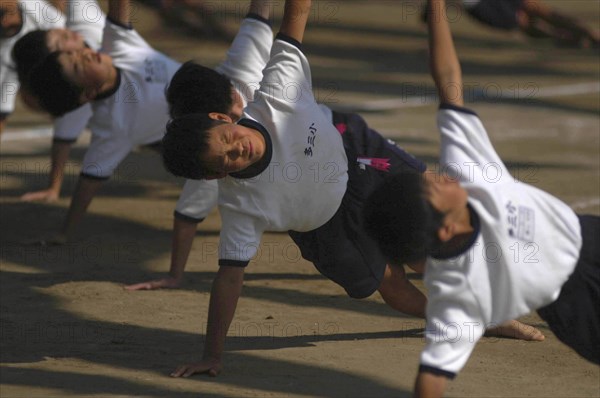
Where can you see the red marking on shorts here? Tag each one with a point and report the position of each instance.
(342, 127)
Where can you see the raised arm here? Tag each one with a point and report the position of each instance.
(261, 8)
(444, 64)
(295, 17)
(120, 11)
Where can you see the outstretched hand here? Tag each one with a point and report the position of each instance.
(46, 195)
(164, 283)
(211, 366)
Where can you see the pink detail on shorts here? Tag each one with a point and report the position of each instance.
(342, 127)
(376, 163)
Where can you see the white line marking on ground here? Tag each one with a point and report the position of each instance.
(373, 106)
(427, 99)
(585, 203)
(26, 134)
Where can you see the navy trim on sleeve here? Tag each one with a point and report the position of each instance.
(437, 371)
(112, 90)
(112, 21)
(64, 140)
(183, 217)
(259, 18)
(458, 109)
(288, 39)
(233, 263)
(93, 177)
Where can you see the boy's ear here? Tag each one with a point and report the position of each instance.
(220, 116)
(446, 232)
(89, 94)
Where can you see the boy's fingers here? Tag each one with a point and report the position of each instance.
(138, 286)
(39, 195)
(179, 371)
(189, 372)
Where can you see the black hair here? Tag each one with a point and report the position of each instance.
(401, 220)
(197, 89)
(2, 12)
(29, 51)
(184, 143)
(56, 94)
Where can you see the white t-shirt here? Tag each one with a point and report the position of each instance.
(243, 65)
(36, 15)
(302, 186)
(136, 114)
(526, 248)
(86, 18)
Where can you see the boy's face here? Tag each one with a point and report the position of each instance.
(232, 148)
(64, 40)
(10, 19)
(87, 69)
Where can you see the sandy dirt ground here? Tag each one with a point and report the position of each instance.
(69, 329)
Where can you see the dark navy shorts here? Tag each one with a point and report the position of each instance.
(340, 249)
(575, 316)
(501, 14)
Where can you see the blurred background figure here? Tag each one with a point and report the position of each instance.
(192, 16)
(534, 18)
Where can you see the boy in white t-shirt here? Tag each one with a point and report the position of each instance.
(124, 84)
(260, 191)
(492, 250)
(227, 89)
(84, 26)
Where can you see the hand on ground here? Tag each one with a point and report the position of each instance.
(165, 283)
(47, 195)
(211, 366)
(516, 330)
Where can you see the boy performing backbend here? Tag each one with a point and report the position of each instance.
(319, 203)
(448, 224)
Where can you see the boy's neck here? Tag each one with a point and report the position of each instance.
(463, 221)
(465, 227)
(264, 161)
(111, 85)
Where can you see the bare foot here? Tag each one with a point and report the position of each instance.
(516, 330)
